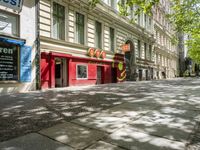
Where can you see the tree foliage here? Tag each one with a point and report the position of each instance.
(186, 17)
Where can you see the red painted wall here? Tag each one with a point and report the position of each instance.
(48, 70)
(45, 70)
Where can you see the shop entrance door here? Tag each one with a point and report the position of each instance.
(140, 75)
(60, 72)
(99, 75)
(114, 75)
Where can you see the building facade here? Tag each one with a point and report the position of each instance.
(77, 45)
(80, 46)
(17, 47)
(166, 52)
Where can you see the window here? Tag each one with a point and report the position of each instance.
(145, 20)
(80, 28)
(98, 35)
(82, 72)
(8, 62)
(145, 50)
(112, 39)
(138, 20)
(139, 49)
(58, 21)
(150, 52)
(9, 24)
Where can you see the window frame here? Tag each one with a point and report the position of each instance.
(84, 28)
(114, 46)
(17, 16)
(77, 77)
(101, 36)
(64, 18)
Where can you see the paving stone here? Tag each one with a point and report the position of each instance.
(129, 138)
(74, 135)
(165, 125)
(101, 145)
(33, 141)
(114, 118)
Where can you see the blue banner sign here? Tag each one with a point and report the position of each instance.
(25, 63)
(13, 4)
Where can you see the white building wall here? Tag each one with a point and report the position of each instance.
(27, 26)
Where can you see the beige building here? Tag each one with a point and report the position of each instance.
(166, 56)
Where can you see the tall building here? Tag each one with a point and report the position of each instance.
(17, 46)
(82, 46)
(165, 49)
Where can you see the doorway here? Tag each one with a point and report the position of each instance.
(99, 75)
(60, 72)
(140, 74)
(114, 75)
(147, 75)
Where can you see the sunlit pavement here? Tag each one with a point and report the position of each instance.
(149, 115)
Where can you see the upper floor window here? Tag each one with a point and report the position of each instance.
(58, 21)
(80, 32)
(112, 39)
(145, 50)
(98, 34)
(150, 52)
(139, 49)
(9, 24)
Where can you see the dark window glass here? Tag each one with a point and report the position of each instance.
(80, 28)
(82, 72)
(112, 39)
(98, 34)
(8, 62)
(139, 49)
(58, 21)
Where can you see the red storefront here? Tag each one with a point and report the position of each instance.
(62, 70)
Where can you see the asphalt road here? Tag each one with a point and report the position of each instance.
(166, 111)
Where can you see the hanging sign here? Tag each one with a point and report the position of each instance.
(12, 4)
(125, 47)
(91, 52)
(97, 53)
(103, 54)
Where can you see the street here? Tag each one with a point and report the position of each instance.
(147, 115)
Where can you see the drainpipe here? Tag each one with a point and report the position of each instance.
(37, 42)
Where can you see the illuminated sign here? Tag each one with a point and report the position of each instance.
(125, 48)
(13, 4)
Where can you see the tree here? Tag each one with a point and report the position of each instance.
(186, 18)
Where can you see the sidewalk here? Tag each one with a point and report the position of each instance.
(141, 116)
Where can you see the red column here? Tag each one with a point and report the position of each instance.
(52, 71)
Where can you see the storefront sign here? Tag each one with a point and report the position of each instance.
(91, 52)
(125, 47)
(97, 53)
(103, 54)
(13, 4)
(8, 63)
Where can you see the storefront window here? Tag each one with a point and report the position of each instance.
(82, 72)
(8, 62)
(9, 24)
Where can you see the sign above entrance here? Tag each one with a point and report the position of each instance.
(12, 4)
(125, 47)
(92, 52)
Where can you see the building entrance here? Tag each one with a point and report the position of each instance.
(60, 72)
(99, 75)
